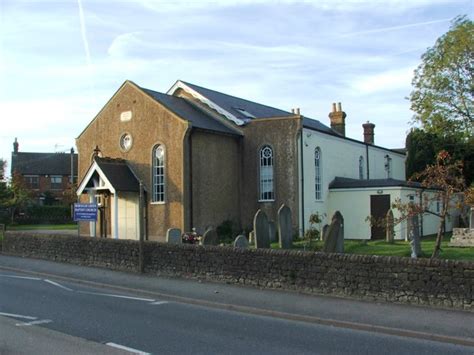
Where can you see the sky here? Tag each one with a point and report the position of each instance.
(61, 61)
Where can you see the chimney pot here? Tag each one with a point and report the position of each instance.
(369, 132)
(338, 119)
(297, 110)
(15, 146)
(339, 107)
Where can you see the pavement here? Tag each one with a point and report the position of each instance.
(445, 325)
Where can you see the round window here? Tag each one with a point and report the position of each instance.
(126, 141)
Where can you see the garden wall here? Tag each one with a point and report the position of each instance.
(418, 281)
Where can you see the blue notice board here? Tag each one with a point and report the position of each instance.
(85, 212)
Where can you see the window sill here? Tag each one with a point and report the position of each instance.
(158, 203)
(266, 200)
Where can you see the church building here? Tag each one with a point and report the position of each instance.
(195, 157)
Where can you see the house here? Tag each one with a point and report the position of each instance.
(47, 176)
(195, 157)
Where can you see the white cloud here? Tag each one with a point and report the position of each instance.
(383, 81)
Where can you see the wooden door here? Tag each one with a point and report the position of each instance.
(379, 206)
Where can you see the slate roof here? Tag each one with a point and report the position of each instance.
(348, 183)
(232, 103)
(189, 112)
(119, 174)
(43, 163)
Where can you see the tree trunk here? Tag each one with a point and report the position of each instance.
(439, 236)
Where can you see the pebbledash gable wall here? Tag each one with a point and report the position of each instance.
(444, 283)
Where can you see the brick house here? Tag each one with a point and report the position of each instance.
(204, 157)
(45, 175)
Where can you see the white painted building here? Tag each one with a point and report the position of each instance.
(357, 178)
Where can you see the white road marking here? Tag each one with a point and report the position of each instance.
(117, 296)
(132, 350)
(160, 302)
(17, 316)
(35, 322)
(21, 277)
(58, 285)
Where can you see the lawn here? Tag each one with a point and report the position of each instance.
(26, 227)
(399, 248)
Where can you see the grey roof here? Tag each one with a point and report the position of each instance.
(348, 183)
(315, 124)
(119, 174)
(232, 104)
(187, 111)
(27, 163)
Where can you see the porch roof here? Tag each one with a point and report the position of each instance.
(116, 174)
(348, 183)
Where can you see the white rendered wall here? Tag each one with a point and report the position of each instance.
(128, 215)
(340, 157)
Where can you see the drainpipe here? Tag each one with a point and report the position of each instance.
(141, 265)
(302, 179)
(367, 159)
(191, 222)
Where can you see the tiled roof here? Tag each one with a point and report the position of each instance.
(347, 183)
(190, 113)
(119, 174)
(43, 163)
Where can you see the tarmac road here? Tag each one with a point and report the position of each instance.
(153, 315)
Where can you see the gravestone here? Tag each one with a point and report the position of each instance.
(389, 227)
(210, 237)
(260, 229)
(334, 242)
(414, 236)
(272, 231)
(173, 236)
(252, 237)
(285, 228)
(324, 234)
(241, 242)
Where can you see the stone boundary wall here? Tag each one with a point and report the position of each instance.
(445, 283)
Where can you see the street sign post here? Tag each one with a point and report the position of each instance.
(85, 212)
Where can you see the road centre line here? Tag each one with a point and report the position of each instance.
(35, 322)
(117, 296)
(132, 350)
(57, 284)
(17, 316)
(21, 277)
(159, 302)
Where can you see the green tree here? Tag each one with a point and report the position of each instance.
(443, 84)
(423, 147)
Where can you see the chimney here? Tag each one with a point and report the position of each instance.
(368, 132)
(15, 146)
(338, 119)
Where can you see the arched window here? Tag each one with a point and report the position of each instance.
(158, 173)
(266, 174)
(317, 174)
(388, 166)
(361, 167)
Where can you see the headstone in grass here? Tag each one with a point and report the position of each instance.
(173, 236)
(252, 237)
(414, 236)
(389, 227)
(285, 228)
(324, 235)
(272, 231)
(260, 229)
(210, 237)
(241, 242)
(334, 242)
